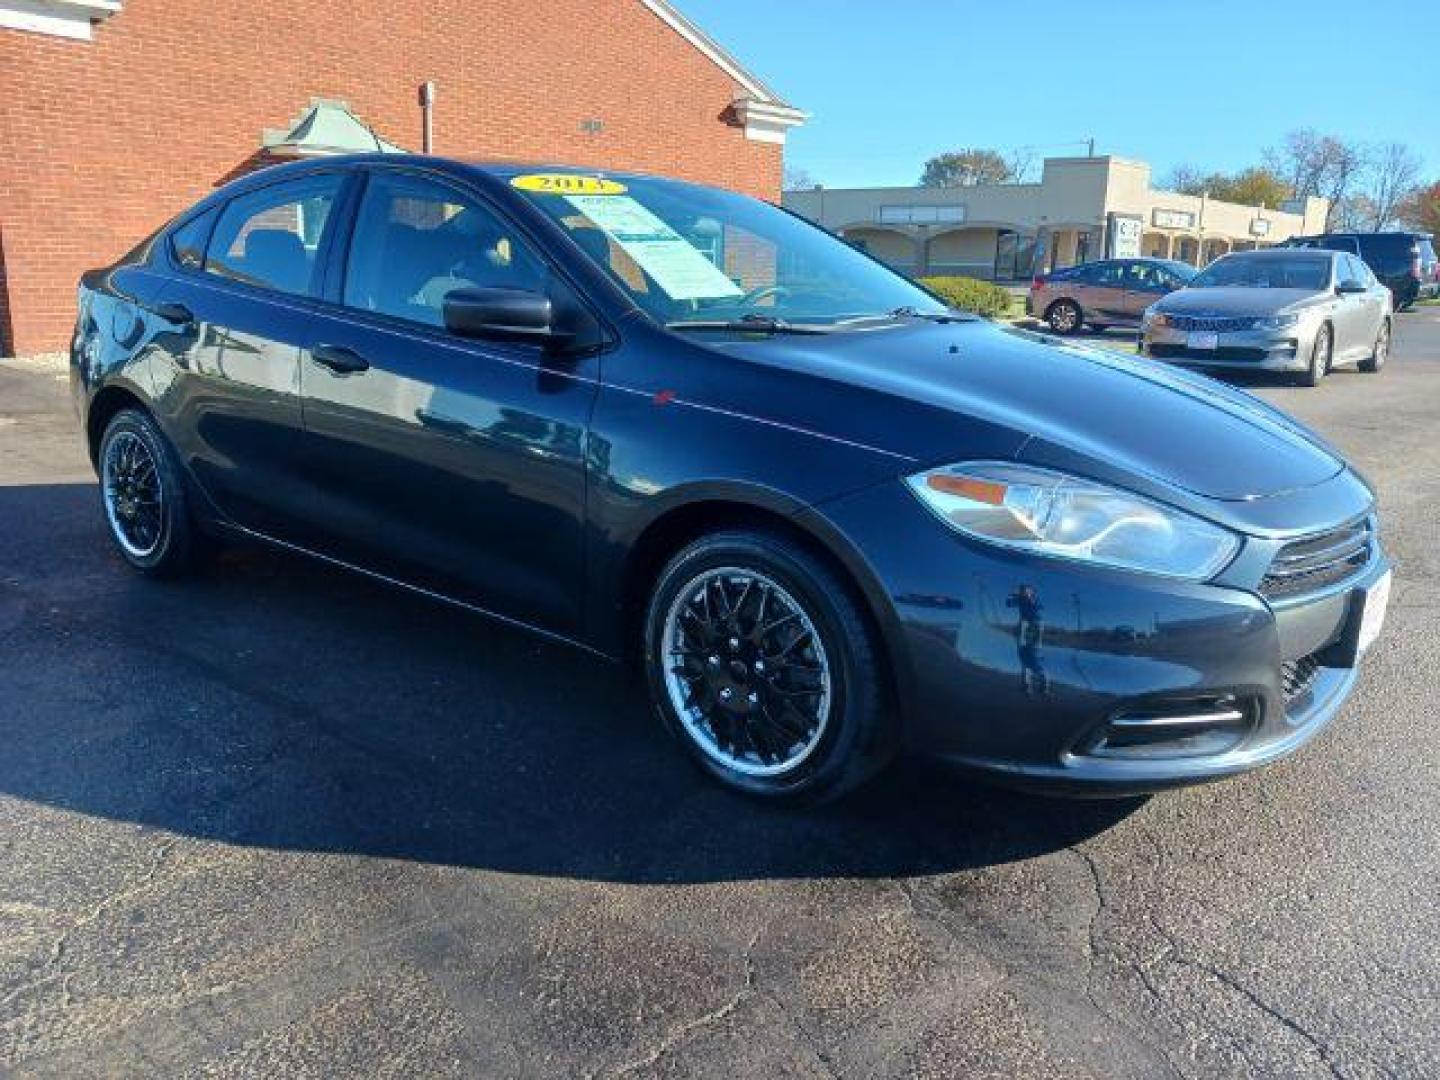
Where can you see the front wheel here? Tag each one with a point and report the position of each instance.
(1064, 317)
(1320, 357)
(760, 662)
(1376, 360)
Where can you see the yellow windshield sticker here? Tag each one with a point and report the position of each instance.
(567, 184)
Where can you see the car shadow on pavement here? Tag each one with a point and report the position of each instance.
(278, 703)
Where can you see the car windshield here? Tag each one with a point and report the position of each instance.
(700, 257)
(1297, 271)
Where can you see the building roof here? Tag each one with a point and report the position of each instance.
(754, 88)
(326, 127)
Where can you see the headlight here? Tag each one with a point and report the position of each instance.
(1064, 517)
(1155, 318)
(1276, 322)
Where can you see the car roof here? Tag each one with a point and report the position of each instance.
(1285, 253)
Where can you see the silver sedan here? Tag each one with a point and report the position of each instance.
(1278, 310)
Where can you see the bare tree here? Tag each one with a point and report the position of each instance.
(1186, 179)
(1314, 164)
(797, 179)
(1394, 174)
(1021, 163)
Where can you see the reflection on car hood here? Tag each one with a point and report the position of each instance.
(948, 389)
(1236, 301)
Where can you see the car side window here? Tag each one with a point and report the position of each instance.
(1355, 269)
(270, 238)
(1146, 277)
(187, 243)
(1111, 275)
(416, 240)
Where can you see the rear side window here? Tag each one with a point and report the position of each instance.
(187, 243)
(1388, 253)
(271, 237)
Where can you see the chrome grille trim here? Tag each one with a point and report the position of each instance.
(1220, 324)
(1322, 559)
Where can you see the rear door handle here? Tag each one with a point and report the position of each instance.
(339, 359)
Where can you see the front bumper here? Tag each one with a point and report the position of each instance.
(1255, 350)
(1022, 667)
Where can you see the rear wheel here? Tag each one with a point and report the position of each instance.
(1320, 356)
(1376, 360)
(761, 663)
(1064, 316)
(143, 497)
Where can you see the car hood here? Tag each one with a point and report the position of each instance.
(1236, 301)
(947, 389)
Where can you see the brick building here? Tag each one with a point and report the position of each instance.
(116, 114)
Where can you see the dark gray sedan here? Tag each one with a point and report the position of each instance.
(832, 519)
(1281, 310)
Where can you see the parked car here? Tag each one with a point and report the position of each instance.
(1280, 309)
(833, 518)
(1404, 261)
(1113, 292)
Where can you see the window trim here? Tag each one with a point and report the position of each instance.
(172, 255)
(338, 264)
(319, 271)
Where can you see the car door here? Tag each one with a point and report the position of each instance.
(1105, 300)
(1356, 313)
(1144, 284)
(450, 463)
(246, 277)
(1377, 308)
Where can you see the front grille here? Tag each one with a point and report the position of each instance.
(1314, 562)
(1163, 351)
(1219, 324)
(1297, 676)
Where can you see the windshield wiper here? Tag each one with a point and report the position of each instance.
(748, 324)
(908, 312)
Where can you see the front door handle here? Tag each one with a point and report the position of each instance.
(339, 359)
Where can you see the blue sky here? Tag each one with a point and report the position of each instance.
(890, 82)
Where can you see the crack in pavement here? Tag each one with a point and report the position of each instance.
(1093, 951)
(684, 1031)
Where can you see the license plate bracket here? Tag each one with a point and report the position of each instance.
(1364, 622)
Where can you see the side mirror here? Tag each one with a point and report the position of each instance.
(1350, 285)
(503, 315)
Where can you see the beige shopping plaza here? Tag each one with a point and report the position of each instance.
(1081, 209)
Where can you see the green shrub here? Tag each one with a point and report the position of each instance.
(970, 294)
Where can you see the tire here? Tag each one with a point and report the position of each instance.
(1064, 317)
(143, 498)
(824, 742)
(1320, 356)
(1376, 360)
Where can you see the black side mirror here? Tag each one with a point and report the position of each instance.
(1350, 285)
(503, 315)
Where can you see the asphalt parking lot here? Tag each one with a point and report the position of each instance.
(282, 821)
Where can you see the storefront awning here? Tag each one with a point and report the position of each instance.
(326, 127)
